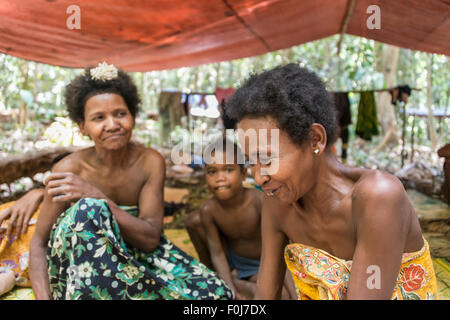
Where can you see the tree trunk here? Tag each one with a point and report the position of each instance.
(431, 126)
(446, 104)
(23, 109)
(194, 82)
(218, 65)
(387, 63)
(230, 76)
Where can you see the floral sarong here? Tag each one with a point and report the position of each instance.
(88, 259)
(320, 276)
(15, 257)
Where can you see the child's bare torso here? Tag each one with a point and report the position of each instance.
(240, 227)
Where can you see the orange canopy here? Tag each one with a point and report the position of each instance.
(149, 35)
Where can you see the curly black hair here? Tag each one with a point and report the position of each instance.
(293, 96)
(83, 87)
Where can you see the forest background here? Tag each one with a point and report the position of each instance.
(33, 115)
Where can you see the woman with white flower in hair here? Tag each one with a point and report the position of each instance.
(99, 233)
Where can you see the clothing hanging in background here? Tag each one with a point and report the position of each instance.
(222, 95)
(170, 111)
(367, 123)
(203, 101)
(400, 94)
(198, 100)
(344, 118)
(185, 102)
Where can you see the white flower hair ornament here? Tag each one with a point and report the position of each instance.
(104, 72)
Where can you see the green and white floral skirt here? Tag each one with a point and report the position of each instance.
(88, 259)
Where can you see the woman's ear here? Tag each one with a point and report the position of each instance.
(318, 136)
(82, 127)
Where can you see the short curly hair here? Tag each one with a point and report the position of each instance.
(293, 96)
(83, 87)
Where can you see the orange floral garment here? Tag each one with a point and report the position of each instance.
(16, 256)
(320, 276)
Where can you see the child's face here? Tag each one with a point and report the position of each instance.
(224, 180)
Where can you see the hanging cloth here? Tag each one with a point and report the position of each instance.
(344, 118)
(222, 95)
(170, 111)
(203, 101)
(400, 94)
(367, 124)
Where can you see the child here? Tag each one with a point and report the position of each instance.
(226, 231)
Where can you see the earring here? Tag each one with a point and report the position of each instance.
(316, 151)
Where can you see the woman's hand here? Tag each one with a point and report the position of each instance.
(20, 213)
(69, 187)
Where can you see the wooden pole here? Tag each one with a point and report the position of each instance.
(412, 139)
(431, 125)
(404, 135)
(344, 25)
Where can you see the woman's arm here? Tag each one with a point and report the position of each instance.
(144, 232)
(38, 246)
(272, 268)
(49, 213)
(20, 213)
(382, 217)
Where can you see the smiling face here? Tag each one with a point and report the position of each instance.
(224, 180)
(107, 121)
(295, 171)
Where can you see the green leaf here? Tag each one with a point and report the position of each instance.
(85, 235)
(99, 294)
(409, 295)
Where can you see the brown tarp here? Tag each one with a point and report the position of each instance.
(149, 35)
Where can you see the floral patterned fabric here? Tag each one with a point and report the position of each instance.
(15, 257)
(88, 259)
(321, 276)
(19, 294)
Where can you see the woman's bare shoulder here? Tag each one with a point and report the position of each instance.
(71, 162)
(374, 183)
(151, 160)
(150, 154)
(376, 189)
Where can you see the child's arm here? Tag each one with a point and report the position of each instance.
(215, 247)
